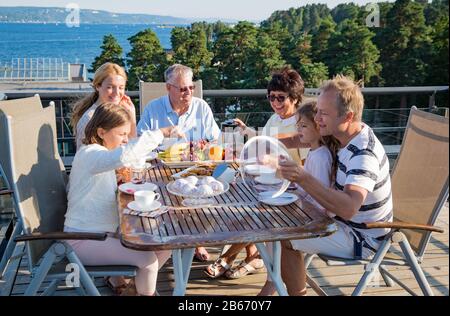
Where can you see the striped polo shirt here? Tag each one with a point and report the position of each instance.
(363, 162)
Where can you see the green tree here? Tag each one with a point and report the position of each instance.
(265, 58)
(147, 60)
(320, 38)
(111, 51)
(190, 47)
(232, 52)
(345, 11)
(405, 45)
(438, 66)
(355, 53)
(313, 74)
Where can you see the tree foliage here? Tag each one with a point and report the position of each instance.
(409, 48)
(146, 60)
(111, 51)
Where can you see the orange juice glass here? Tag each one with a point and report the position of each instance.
(215, 152)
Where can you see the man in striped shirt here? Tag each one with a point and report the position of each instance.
(362, 191)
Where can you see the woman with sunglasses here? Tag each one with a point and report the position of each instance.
(285, 93)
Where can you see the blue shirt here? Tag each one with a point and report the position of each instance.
(197, 123)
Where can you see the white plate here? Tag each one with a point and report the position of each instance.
(136, 207)
(130, 187)
(283, 199)
(152, 156)
(268, 180)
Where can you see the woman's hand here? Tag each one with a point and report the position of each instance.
(290, 170)
(240, 124)
(128, 104)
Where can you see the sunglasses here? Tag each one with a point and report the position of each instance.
(280, 98)
(184, 89)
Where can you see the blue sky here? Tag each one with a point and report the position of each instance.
(230, 9)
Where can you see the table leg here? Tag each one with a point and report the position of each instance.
(182, 261)
(273, 265)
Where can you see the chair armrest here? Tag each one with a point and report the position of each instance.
(402, 225)
(4, 192)
(61, 236)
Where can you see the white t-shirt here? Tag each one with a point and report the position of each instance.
(363, 162)
(318, 164)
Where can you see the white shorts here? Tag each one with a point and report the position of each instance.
(340, 244)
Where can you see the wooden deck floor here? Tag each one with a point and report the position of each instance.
(334, 280)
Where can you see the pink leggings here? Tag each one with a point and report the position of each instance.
(112, 252)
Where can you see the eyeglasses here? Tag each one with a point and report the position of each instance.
(279, 98)
(183, 89)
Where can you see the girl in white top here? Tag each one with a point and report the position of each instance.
(92, 202)
(109, 86)
(321, 161)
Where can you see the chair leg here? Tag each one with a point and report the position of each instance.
(415, 267)
(372, 267)
(51, 289)
(308, 259)
(42, 271)
(10, 248)
(85, 278)
(389, 282)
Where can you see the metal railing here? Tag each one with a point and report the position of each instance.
(252, 107)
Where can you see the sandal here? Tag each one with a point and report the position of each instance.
(218, 268)
(245, 268)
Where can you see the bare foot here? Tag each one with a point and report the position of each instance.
(268, 289)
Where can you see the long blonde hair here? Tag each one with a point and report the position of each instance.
(107, 116)
(308, 111)
(100, 75)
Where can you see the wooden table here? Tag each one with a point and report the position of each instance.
(237, 218)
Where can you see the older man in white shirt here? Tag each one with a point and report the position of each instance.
(180, 108)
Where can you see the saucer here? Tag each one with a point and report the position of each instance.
(130, 187)
(136, 207)
(263, 180)
(283, 199)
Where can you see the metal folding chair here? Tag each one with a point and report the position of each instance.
(38, 182)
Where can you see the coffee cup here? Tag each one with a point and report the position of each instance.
(145, 198)
(266, 173)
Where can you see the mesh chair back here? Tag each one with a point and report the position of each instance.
(14, 108)
(420, 175)
(38, 176)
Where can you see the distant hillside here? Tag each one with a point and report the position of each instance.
(58, 15)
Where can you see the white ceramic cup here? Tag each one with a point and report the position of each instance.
(267, 173)
(145, 198)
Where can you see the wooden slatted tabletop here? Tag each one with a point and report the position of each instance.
(238, 217)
